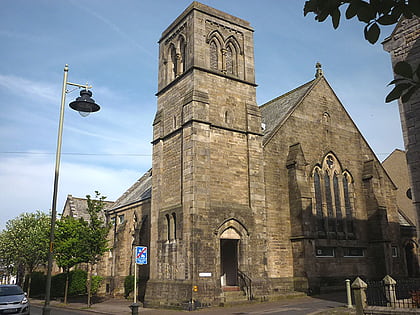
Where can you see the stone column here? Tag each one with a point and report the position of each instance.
(359, 288)
(390, 290)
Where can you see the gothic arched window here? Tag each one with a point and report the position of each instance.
(328, 199)
(347, 202)
(318, 202)
(182, 49)
(337, 201)
(174, 225)
(214, 55)
(332, 198)
(174, 61)
(168, 226)
(229, 60)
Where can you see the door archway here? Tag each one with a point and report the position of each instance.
(229, 254)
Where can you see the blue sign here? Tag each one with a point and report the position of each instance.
(141, 255)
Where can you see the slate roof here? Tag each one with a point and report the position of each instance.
(140, 190)
(77, 208)
(276, 111)
(403, 219)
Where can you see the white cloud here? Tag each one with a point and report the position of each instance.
(32, 89)
(28, 180)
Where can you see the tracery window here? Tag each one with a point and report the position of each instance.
(333, 204)
(224, 53)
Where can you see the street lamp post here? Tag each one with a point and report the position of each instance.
(84, 105)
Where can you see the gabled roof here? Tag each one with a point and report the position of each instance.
(139, 191)
(276, 111)
(403, 219)
(77, 208)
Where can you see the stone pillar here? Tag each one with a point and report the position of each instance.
(359, 288)
(348, 290)
(390, 290)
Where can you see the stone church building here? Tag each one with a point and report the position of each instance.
(260, 200)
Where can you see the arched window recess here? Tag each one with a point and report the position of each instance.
(333, 199)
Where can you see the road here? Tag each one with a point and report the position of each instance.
(37, 310)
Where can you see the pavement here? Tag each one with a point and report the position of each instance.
(325, 304)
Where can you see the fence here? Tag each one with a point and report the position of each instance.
(387, 296)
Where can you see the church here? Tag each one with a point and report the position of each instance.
(245, 200)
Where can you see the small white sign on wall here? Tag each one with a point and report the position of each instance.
(205, 274)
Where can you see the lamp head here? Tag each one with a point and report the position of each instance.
(84, 104)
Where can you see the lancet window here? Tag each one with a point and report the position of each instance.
(223, 53)
(333, 203)
(175, 58)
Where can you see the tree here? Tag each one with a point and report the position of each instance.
(95, 242)
(375, 13)
(6, 258)
(68, 247)
(24, 242)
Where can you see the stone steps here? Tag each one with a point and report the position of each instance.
(233, 295)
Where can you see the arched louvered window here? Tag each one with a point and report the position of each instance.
(182, 49)
(174, 225)
(168, 226)
(229, 60)
(214, 55)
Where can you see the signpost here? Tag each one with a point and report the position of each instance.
(140, 258)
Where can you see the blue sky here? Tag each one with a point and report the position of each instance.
(113, 46)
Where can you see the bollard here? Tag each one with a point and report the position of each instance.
(134, 309)
(348, 289)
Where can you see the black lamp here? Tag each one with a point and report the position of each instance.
(84, 104)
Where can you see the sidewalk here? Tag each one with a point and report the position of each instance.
(109, 306)
(122, 306)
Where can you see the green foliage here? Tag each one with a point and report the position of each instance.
(406, 84)
(373, 12)
(128, 285)
(58, 283)
(95, 241)
(68, 247)
(77, 283)
(96, 282)
(37, 283)
(25, 241)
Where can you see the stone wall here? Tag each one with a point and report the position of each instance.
(404, 45)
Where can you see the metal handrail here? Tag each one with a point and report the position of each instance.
(245, 283)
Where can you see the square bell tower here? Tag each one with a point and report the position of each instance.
(208, 202)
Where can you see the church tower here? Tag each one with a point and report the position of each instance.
(208, 204)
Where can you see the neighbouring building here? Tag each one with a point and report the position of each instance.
(247, 199)
(396, 166)
(404, 45)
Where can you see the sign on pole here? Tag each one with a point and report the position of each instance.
(141, 255)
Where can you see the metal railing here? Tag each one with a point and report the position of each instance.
(245, 284)
(404, 293)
